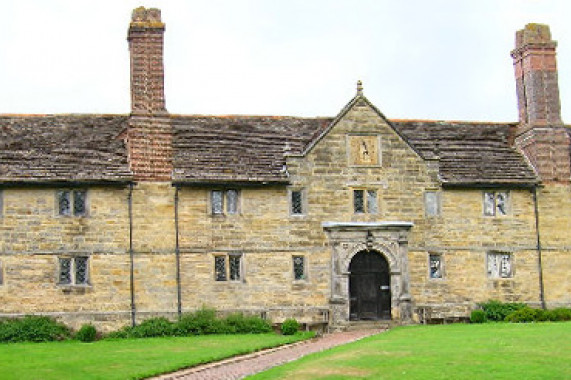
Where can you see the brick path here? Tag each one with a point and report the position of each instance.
(245, 365)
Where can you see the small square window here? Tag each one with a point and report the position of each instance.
(72, 201)
(500, 265)
(365, 201)
(296, 202)
(228, 267)
(225, 201)
(73, 271)
(432, 203)
(496, 203)
(298, 268)
(435, 262)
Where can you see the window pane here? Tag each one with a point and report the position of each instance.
(501, 203)
(232, 201)
(63, 199)
(220, 268)
(489, 204)
(493, 265)
(435, 266)
(79, 197)
(217, 202)
(81, 270)
(234, 267)
(358, 201)
(298, 268)
(65, 271)
(505, 266)
(296, 202)
(372, 201)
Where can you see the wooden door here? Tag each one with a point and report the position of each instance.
(369, 287)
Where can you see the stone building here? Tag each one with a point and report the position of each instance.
(115, 218)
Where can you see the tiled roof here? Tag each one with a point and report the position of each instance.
(63, 148)
(469, 153)
(238, 148)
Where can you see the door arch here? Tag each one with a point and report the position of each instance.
(369, 287)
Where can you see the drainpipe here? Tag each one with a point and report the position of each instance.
(131, 256)
(177, 253)
(539, 252)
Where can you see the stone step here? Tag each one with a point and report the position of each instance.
(368, 325)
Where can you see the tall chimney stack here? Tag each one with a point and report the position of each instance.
(146, 35)
(540, 135)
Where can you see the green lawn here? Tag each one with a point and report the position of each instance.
(125, 359)
(460, 351)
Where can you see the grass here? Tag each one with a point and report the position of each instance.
(126, 358)
(461, 351)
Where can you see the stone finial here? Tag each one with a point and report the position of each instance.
(359, 88)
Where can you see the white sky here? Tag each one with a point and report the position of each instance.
(438, 59)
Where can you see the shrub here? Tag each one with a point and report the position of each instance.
(290, 326)
(200, 322)
(239, 324)
(152, 327)
(498, 311)
(32, 329)
(87, 333)
(526, 314)
(478, 316)
(559, 314)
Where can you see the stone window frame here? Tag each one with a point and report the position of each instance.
(303, 194)
(72, 199)
(224, 203)
(492, 203)
(366, 200)
(228, 275)
(73, 273)
(497, 272)
(303, 277)
(442, 266)
(437, 200)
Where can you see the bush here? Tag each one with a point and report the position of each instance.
(32, 329)
(87, 333)
(290, 326)
(200, 322)
(559, 314)
(239, 324)
(539, 315)
(498, 311)
(152, 327)
(478, 316)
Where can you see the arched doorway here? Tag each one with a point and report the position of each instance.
(369, 287)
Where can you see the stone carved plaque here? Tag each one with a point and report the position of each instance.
(363, 150)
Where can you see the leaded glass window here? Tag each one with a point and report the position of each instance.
(500, 265)
(217, 202)
(234, 267)
(231, 201)
(358, 201)
(81, 270)
(372, 202)
(296, 202)
(64, 202)
(298, 267)
(435, 266)
(496, 203)
(220, 268)
(64, 270)
(79, 206)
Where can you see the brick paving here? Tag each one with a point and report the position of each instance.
(241, 366)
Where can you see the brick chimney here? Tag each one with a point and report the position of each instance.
(146, 35)
(149, 138)
(540, 134)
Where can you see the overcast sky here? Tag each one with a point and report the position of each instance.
(438, 59)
